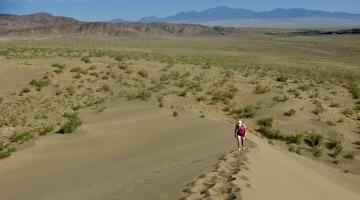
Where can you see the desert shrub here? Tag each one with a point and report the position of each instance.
(267, 121)
(279, 99)
(357, 142)
(282, 78)
(39, 84)
(270, 141)
(314, 139)
(248, 112)
(58, 66)
(222, 96)
(104, 88)
(2, 145)
(7, 153)
(292, 148)
(92, 67)
(46, 129)
(86, 59)
(58, 71)
(73, 122)
(183, 93)
(348, 112)
(270, 132)
(317, 151)
(304, 87)
(291, 112)
(78, 70)
(77, 107)
(355, 91)
(20, 137)
(259, 89)
(175, 114)
(319, 109)
(143, 94)
(201, 98)
(350, 156)
(295, 139)
(143, 73)
(337, 151)
(71, 90)
(334, 105)
(25, 90)
(335, 145)
(123, 66)
(331, 123)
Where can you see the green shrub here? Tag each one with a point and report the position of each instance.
(267, 121)
(2, 145)
(58, 66)
(58, 71)
(86, 59)
(334, 105)
(175, 114)
(355, 91)
(317, 151)
(78, 70)
(248, 112)
(143, 73)
(282, 78)
(259, 89)
(20, 137)
(271, 133)
(337, 151)
(350, 156)
(331, 123)
(334, 143)
(73, 122)
(143, 94)
(292, 148)
(45, 130)
(348, 112)
(295, 139)
(291, 112)
(314, 139)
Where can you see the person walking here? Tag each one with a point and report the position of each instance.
(240, 133)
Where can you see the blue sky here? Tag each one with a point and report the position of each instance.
(104, 10)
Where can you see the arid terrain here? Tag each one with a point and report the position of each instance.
(151, 115)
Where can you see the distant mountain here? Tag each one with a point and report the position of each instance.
(225, 13)
(37, 19)
(118, 20)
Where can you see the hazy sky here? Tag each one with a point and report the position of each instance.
(104, 10)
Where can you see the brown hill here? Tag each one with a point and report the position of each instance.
(9, 21)
(43, 23)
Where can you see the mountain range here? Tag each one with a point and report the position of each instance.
(225, 13)
(216, 21)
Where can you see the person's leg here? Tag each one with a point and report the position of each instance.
(243, 142)
(238, 141)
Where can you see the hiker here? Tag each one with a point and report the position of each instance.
(240, 132)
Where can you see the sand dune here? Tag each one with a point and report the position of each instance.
(132, 150)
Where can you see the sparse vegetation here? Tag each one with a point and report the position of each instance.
(315, 139)
(73, 122)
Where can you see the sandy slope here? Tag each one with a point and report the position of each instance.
(132, 150)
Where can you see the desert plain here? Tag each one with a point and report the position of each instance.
(153, 116)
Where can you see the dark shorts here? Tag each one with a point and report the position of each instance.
(240, 135)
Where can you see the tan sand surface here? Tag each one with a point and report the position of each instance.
(132, 150)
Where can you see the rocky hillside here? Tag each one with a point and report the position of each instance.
(43, 23)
